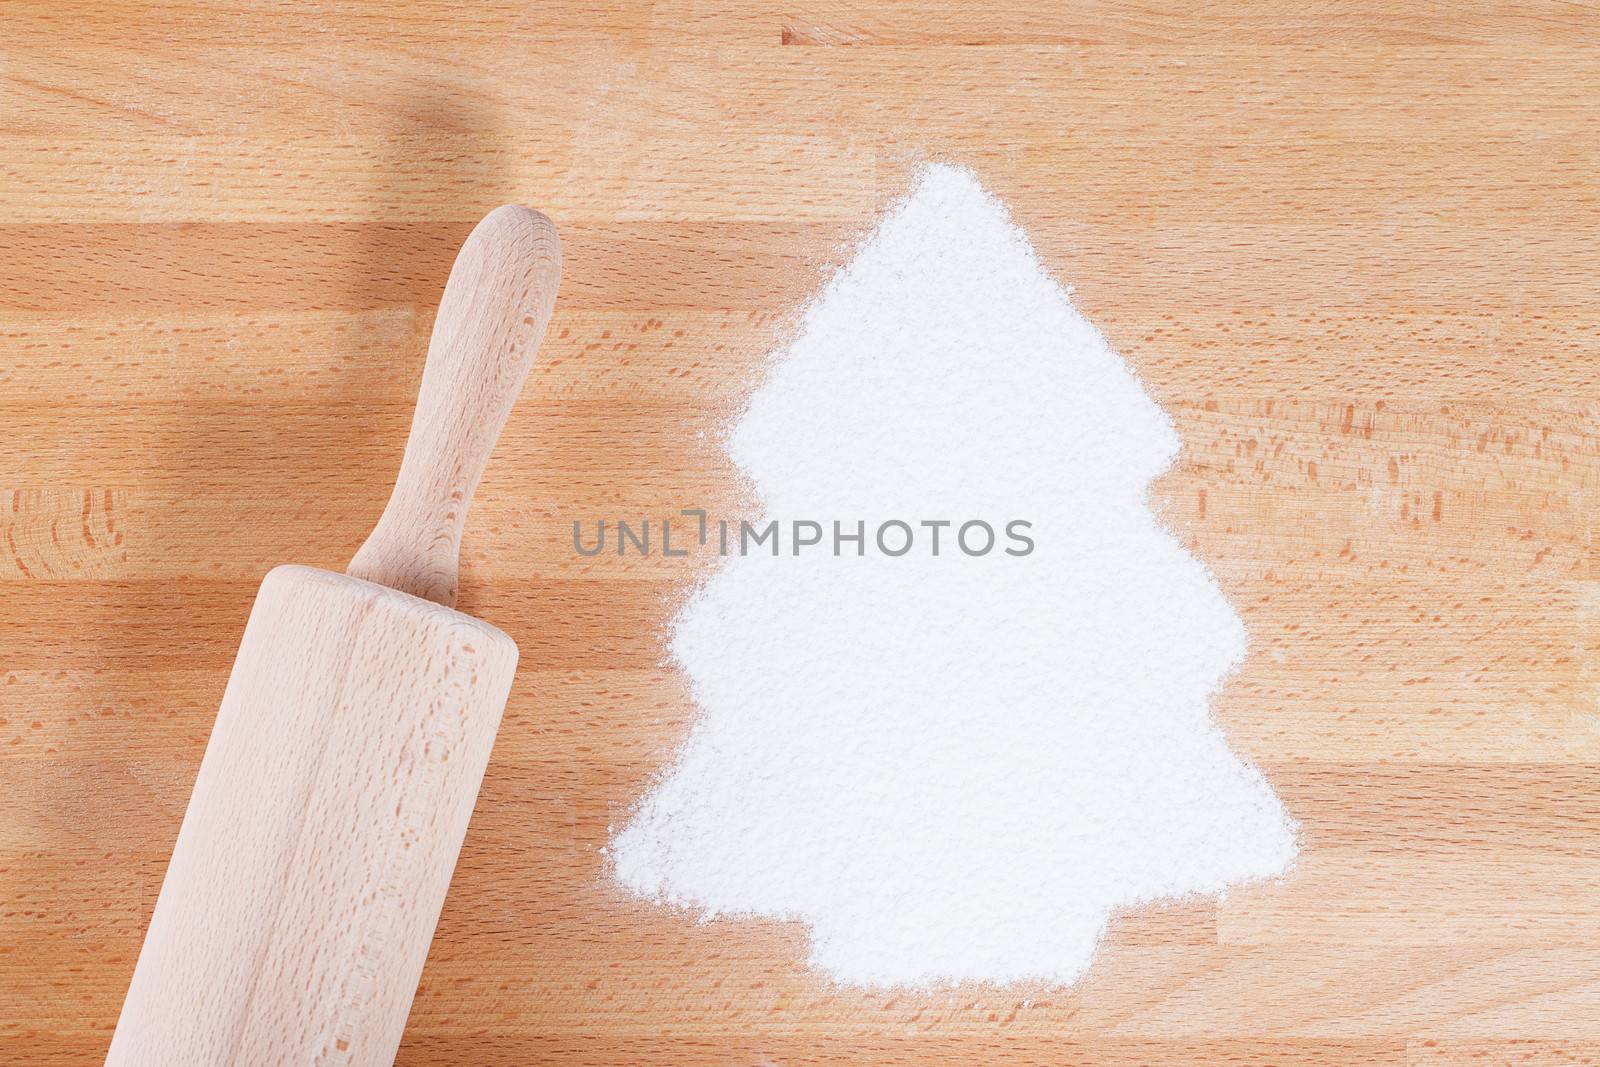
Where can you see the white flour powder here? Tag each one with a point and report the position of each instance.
(953, 768)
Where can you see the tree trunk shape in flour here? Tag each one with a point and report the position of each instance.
(953, 762)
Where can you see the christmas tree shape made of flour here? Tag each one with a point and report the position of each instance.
(953, 766)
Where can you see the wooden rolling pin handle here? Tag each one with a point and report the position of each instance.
(491, 319)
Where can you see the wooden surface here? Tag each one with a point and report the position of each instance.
(1352, 249)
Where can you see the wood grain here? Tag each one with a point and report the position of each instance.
(1350, 247)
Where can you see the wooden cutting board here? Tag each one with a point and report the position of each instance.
(1351, 250)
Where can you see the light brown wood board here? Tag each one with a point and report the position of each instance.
(1350, 247)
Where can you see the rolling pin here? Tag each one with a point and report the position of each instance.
(335, 791)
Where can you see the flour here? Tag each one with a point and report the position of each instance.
(952, 767)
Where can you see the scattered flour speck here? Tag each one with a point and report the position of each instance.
(954, 768)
